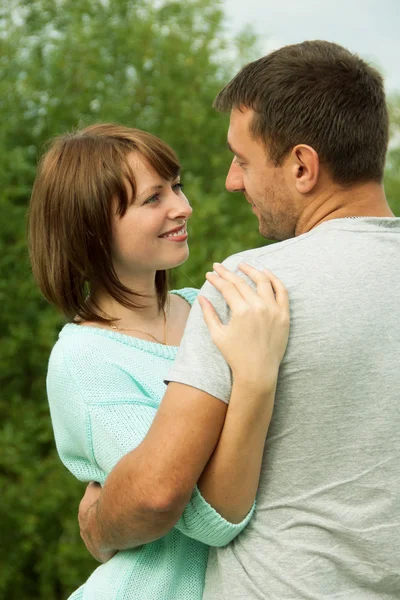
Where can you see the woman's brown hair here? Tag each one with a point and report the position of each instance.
(79, 178)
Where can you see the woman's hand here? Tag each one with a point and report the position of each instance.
(254, 341)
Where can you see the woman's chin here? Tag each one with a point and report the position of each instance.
(177, 261)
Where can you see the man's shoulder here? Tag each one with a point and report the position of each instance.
(278, 253)
(331, 242)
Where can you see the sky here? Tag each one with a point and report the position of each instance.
(369, 28)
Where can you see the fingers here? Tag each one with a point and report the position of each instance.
(267, 281)
(228, 289)
(264, 291)
(236, 290)
(249, 294)
(210, 316)
(281, 294)
(262, 280)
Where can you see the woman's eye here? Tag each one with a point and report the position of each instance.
(152, 199)
(177, 187)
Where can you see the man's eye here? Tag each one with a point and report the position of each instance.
(177, 186)
(239, 163)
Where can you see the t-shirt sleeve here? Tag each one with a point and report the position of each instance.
(199, 363)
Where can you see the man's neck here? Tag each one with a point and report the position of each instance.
(364, 200)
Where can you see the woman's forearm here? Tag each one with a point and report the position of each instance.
(230, 480)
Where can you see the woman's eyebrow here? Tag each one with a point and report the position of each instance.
(152, 188)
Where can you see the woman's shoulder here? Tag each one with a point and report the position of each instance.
(79, 339)
(87, 365)
(187, 293)
(81, 348)
(97, 353)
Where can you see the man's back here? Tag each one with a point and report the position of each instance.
(328, 509)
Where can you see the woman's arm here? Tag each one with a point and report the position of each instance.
(230, 480)
(253, 344)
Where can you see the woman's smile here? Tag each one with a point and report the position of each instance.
(176, 235)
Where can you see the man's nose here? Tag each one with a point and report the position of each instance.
(234, 179)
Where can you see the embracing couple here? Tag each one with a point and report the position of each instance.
(268, 467)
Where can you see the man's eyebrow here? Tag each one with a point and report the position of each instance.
(235, 153)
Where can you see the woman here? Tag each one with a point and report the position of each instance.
(107, 220)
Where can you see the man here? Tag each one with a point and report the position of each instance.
(309, 134)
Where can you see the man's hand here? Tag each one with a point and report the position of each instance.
(87, 506)
(147, 491)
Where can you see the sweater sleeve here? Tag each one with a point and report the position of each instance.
(118, 427)
(95, 426)
(69, 419)
(98, 411)
(202, 522)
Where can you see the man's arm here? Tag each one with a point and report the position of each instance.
(147, 491)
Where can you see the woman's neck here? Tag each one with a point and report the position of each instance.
(144, 296)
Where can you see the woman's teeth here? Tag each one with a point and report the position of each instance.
(175, 233)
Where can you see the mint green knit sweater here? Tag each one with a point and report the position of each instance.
(104, 389)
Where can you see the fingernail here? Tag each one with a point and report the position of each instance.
(216, 264)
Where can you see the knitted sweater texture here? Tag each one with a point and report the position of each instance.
(104, 389)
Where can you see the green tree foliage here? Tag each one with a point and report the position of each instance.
(150, 64)
(392, 175)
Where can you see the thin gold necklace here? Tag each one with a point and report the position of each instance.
(164, 342)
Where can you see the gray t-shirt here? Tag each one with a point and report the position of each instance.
(327, 523)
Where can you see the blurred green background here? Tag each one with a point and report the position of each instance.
(148, 64)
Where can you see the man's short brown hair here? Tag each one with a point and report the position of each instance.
(70, 216)
(320, 94)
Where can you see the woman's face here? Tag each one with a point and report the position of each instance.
(151, 235)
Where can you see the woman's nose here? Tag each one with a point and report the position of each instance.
(180, 207)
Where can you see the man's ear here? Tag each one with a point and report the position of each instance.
(305, 168)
